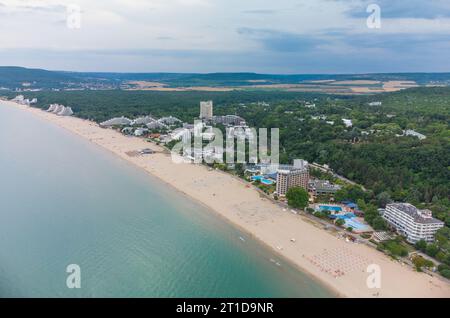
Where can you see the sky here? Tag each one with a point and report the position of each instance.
(262, 36)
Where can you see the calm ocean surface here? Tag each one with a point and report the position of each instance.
(65, 201)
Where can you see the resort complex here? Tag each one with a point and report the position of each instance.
(277, 179)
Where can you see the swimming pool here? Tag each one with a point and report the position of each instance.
(330, 208)
(356, 225)
(343, 216)
(262, 180)
(350, 221)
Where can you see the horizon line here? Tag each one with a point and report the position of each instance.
(219, 72)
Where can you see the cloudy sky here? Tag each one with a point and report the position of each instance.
(265, 36)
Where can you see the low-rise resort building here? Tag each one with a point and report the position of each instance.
(118, 121)
(60, 110)
(20, 99)
(229, 120)
(143, 121)
(322, 187)
(410, 132)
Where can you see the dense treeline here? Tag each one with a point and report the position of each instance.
(102, 105)
(13, 77)
(370, 153)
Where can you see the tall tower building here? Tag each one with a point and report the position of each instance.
(206, 110)
(293, 176)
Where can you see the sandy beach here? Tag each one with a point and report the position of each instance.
(338, 264)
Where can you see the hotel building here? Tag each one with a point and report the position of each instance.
(411, 222)
(118, 121)
(322, 187)
(292, 176)
(206, 110)
(229, 120)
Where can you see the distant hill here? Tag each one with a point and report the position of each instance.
(13, 77)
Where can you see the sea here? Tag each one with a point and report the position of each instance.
(77, 221)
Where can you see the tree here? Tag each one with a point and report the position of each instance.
(444, 270)
(443, 236)
(420, 262)
(370, 214)
(445, 273)
(352, 193)
(421, 245)
(297, 198)
(447, 260)
(361, 204)
(440, 256)
(341, 195)
(432, 250)
(239, 168)
(379, 224)
(395, 248)
(340, 222)
(383, 199)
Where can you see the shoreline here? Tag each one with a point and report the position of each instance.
(315, 249)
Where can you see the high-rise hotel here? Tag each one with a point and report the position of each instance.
(206, 110)
(289, 177)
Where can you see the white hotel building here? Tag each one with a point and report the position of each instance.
(411, 222)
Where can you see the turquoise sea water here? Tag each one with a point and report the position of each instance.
(65, 201)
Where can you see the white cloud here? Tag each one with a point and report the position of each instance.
(198, 25)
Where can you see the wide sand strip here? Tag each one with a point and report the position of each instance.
(338, 264)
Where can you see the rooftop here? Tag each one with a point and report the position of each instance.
(323, 184)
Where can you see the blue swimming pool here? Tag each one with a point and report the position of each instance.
(343, 216)
(351, 221)
(357, 226)
(330, 208)
(262, 180)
